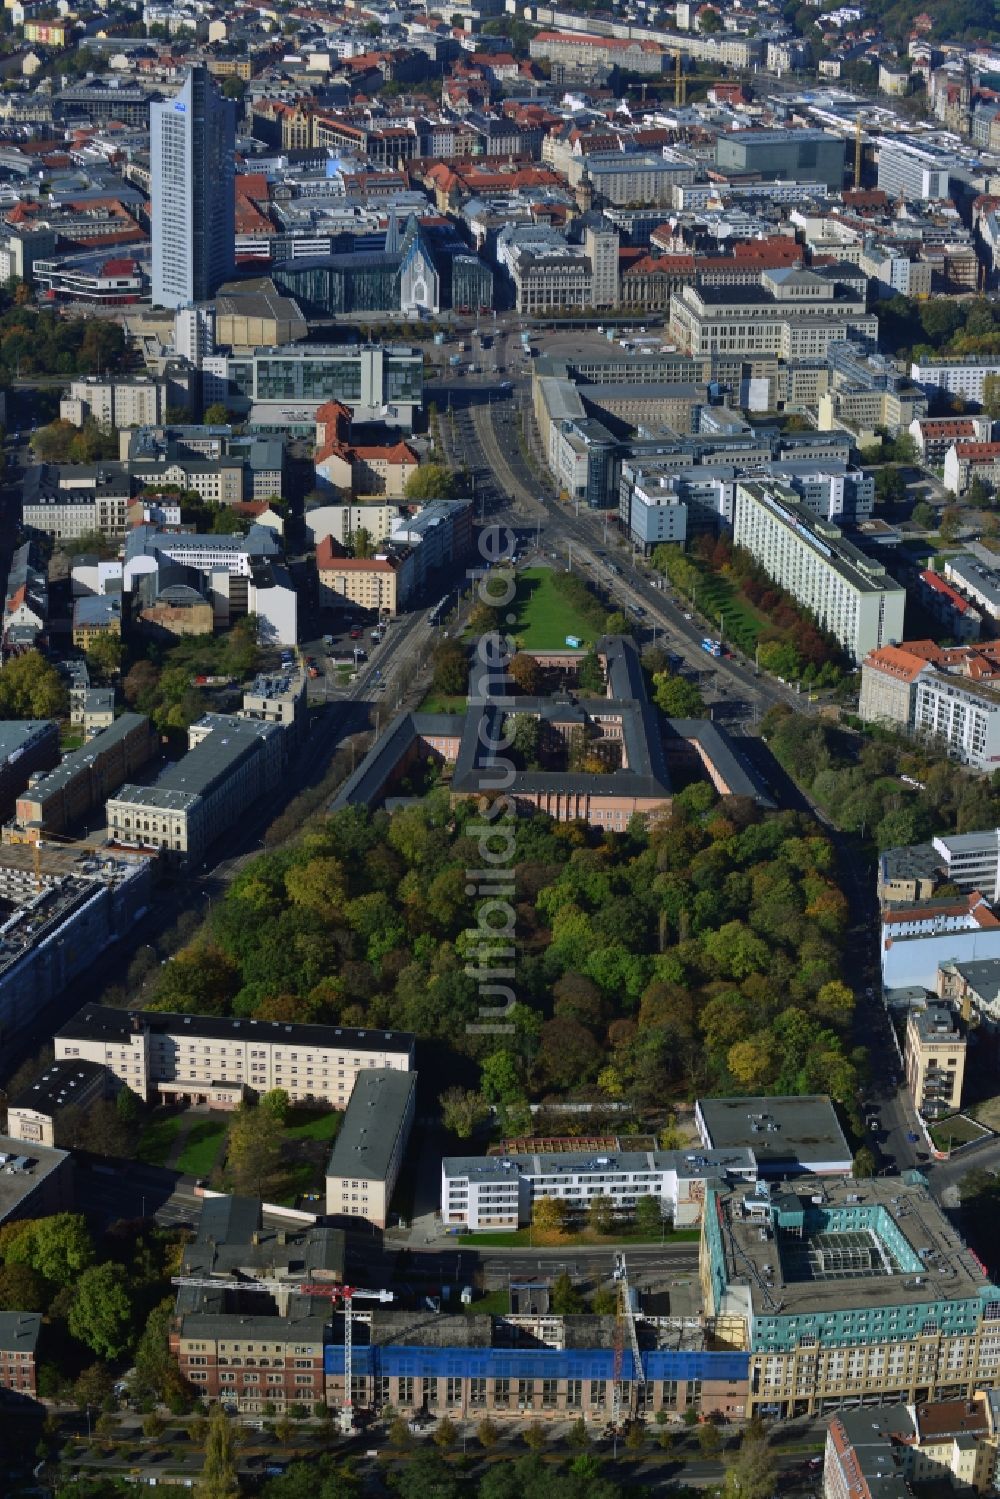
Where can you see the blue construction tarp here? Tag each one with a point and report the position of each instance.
(533, 1363)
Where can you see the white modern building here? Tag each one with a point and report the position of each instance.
(497, 1192)
(852, 597)
(192, 155)
(918, 173)
(957, 377)
(284, 387)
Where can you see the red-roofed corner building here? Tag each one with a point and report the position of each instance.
(934, 435)
(362, 468)
(965, 461)
(947, 696)
(383, 583)
(917, 939)
(955, 615)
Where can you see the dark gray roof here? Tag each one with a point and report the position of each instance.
(19, 1331)
(102, 1023)
(717, 746)
(62, 1082)
(376, 1113)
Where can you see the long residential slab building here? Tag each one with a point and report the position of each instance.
(211, 1059)
(852, 597)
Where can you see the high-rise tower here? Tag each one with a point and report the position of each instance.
(192, 142)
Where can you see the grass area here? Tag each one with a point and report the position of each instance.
(441, 702)
(949, 1133)
(543, 618)
(158, 1139)
(201, 1147)
(311, 1124)
(533, 1238)
(987, 1111)
(741, 623)
(496, 1303)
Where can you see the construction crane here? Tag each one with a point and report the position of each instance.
(624, 1327)
(325, 1289)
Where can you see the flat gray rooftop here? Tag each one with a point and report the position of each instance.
(804, 1130)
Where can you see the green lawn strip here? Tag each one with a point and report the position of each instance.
(310, 1125)
(158, 1139)
(201, 1147)
(496, 1303)
(441, 702)
(523, 1238)
(949, 1133)
(543, 617)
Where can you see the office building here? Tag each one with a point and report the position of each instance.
(368, 1152)
(254, 1352)
(917, 173)
(792, 313)
(211, 1059)
(851, 596)
(797, 1136)
(19, 1334)
(55, 799)
(192, 165)
(934, 1060)
(229, 764)
(844, 1292)
(62, 909)
(783, 155)
(284, 387)
(498, 1192)
(33, 1183)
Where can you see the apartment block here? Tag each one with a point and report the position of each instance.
(852, 597)
(26, 747)
(209, 1059)
(55, 799)
(368, 1151)
(19, 1334)
(957, 377)
(881, 1454)
(916, 939)
(384, 582)
(136, 402)
(934, 1060)
(846, 1292)
(946, 695)
(793, 313)
(34, 1182)
(230, 763)
(965, 461)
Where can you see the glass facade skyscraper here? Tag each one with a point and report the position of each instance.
(192, 160)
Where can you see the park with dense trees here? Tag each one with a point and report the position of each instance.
(701, 955)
